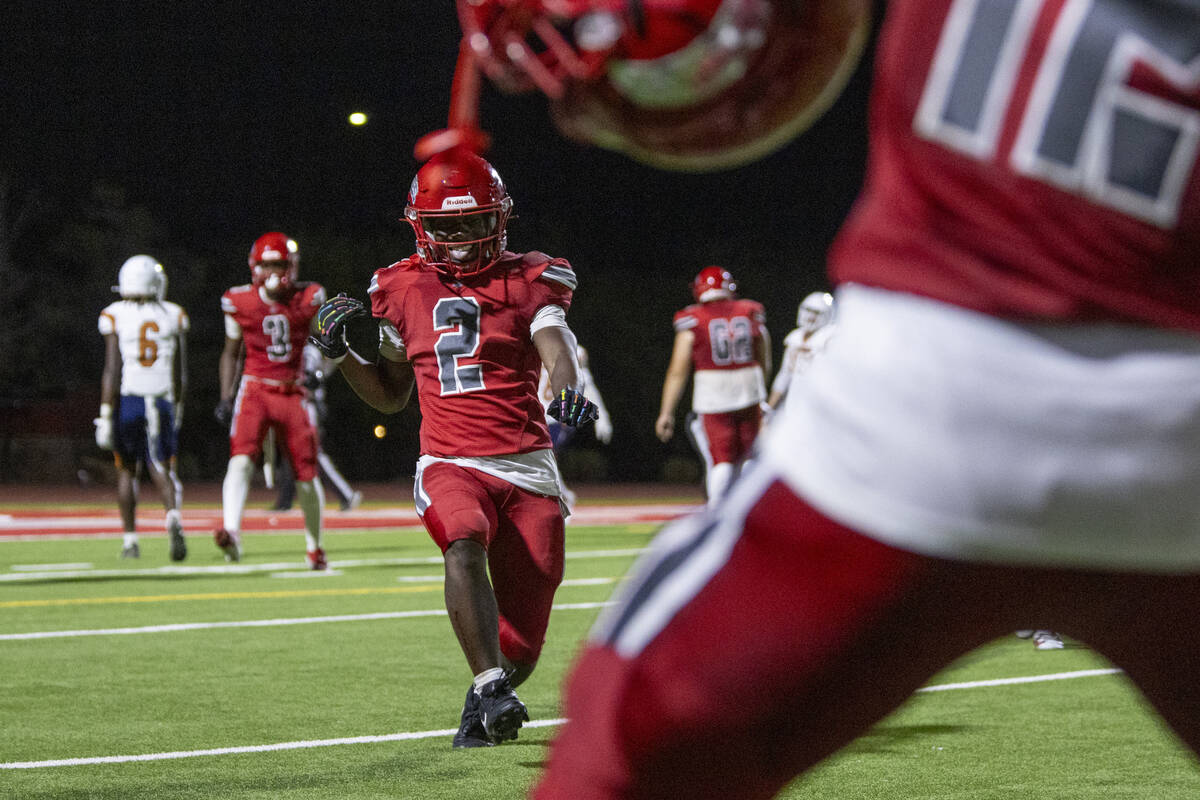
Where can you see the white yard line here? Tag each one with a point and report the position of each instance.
(411, 735)
(28, 573)
(1055, 676)
(252, 623)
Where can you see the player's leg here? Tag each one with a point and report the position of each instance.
(160, 465)
(300, 436)
(127, 505)
(285, 483)
(1148, 626)
(751, 644)
(348, 498)
(526, 558)
(128, 453)
(460, 514)
(245, 443)
(715, 436)
(746, 424)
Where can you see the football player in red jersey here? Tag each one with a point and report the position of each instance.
(724, 338)
(267, 322)
(471, 324)
(1002, 435)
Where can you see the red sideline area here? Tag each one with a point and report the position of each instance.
(71, 511)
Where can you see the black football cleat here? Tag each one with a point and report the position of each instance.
(470, 730)
(501, 710)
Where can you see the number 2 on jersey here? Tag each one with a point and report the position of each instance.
(458, 319)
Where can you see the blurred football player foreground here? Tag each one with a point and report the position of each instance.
(144, 382)
(268, 321)
(471, 323)
(724, 339)
(1005, 432)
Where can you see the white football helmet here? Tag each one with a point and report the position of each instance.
(815, 311)
(141, 276)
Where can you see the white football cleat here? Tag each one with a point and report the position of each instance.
(1047, 640)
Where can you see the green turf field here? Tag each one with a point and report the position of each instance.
(121, 659)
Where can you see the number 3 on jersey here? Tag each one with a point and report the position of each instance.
(458, 319)
(1131, 146)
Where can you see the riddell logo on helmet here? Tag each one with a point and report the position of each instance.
(273, 255)
(463, 201)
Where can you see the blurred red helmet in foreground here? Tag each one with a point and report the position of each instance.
(682, 84)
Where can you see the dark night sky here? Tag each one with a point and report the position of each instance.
(229, 119)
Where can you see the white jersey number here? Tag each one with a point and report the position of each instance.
(732, 341)
(1103, 118)
(458, 318)
(279, 332)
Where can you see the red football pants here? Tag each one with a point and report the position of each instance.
(523, 534)
(261, 406)
(763, 637)
(728, 437)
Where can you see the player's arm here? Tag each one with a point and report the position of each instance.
(557, 347)
(604, 427)
(384, 384)
(110, 379)
(180, 376)
(779, 387)
(227, 373)
(762, 347)
(678, 371)
(110, 383)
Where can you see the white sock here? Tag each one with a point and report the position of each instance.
(487, 676)
(130, 540)
(312, 502)
(234, 491)
(174, 517)
(717, 481)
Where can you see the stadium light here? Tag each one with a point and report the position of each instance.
(357, 118)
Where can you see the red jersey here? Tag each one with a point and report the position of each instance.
(274, 332)
(471, 349)
(991, 186)
(726, 333)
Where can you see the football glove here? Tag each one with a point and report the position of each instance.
(572, 408)
(104, 432)
(223, 413)
(332, 317)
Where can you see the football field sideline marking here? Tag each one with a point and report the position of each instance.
(413, 735)
(256, 623)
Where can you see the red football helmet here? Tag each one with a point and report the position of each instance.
(274, 248)
(459, 209)
(681, 84)
(713, 283)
